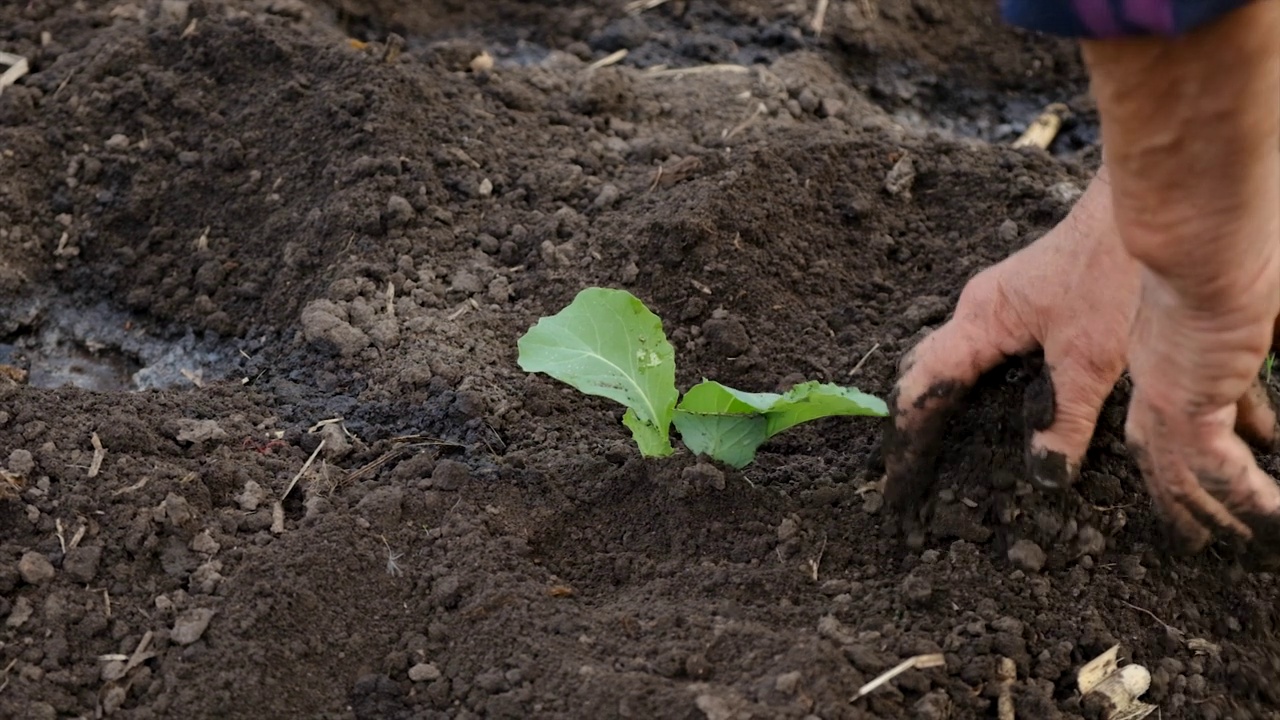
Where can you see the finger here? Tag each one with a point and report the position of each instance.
(1062, 409)
(1168, 488)
(1203, 478)
(1249, 494)
(1229, 473)
(938, 373)
(1256, 419)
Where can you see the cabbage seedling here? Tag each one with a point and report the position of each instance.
(607, 343)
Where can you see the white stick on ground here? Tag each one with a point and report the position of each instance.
(99, 454)
(919, 662)
(305, 465)
(610, 59)
(17, 68)
(819, 17)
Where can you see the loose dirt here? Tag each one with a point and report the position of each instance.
(341, 234)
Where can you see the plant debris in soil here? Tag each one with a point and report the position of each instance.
(364, 509)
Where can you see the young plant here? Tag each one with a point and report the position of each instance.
(1268, 365)
(607, 343)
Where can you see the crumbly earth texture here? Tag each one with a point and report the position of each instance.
(366, 223)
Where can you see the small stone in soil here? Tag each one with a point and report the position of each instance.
(1091, 541)
(466, 282)
(697, 666)
(704, 476)
(21, 462)
(449, 475)
(787, 682)
(872, 503)
(35, 568)
(917, 590)
(251, 497)
(1131, 567)
(190, 625)
(20, 613)
(901, 177)
(1008, 231)
(177, 511)
(958, 521)
(934, 706)
(424, 672)
(81, 563)
(607, 196)
(833, 587)
(1027, 556)
(1010, 625)
(726, 337)
(499, 290)
(40, 710)
(399, 212)
(924, 310)
(195, 431)
(205, 544)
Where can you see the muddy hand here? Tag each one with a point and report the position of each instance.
(1199, 212)
(1072, 293)
(1186, 434)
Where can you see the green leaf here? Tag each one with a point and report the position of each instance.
(607, 343)
(813, 400)
(729, 425)
(722, 423)
(710, 397)
(730, 438)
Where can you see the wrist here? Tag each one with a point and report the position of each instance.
(1191, 130)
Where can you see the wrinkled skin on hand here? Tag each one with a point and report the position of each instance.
(1072, 293)
(1171, 260)
(1192, 140)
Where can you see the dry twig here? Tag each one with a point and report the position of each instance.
(728, 134)
(610, 59)
(816, 562)
(1006, 673)
(635, 7)
(919, 662)
(863, 361)
(1041, 132)
(7, 668)
(18, 67)
(1168, 628)
(819, 17)
(698, 70)
(305, 465)
(99, 454)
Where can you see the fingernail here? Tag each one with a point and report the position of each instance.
(1048, 470)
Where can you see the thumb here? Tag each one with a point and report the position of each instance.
(937, 374)
(1062, 407)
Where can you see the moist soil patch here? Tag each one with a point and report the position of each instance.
(348, 502)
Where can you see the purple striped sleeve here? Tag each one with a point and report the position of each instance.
(1100, 19)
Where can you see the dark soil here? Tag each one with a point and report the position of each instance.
(356, 239)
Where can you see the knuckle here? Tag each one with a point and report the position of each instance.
(1091, 362)
(982, 294)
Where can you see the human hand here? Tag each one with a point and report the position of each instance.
(1199, 212)
(1197, 398)
(1072, 293)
